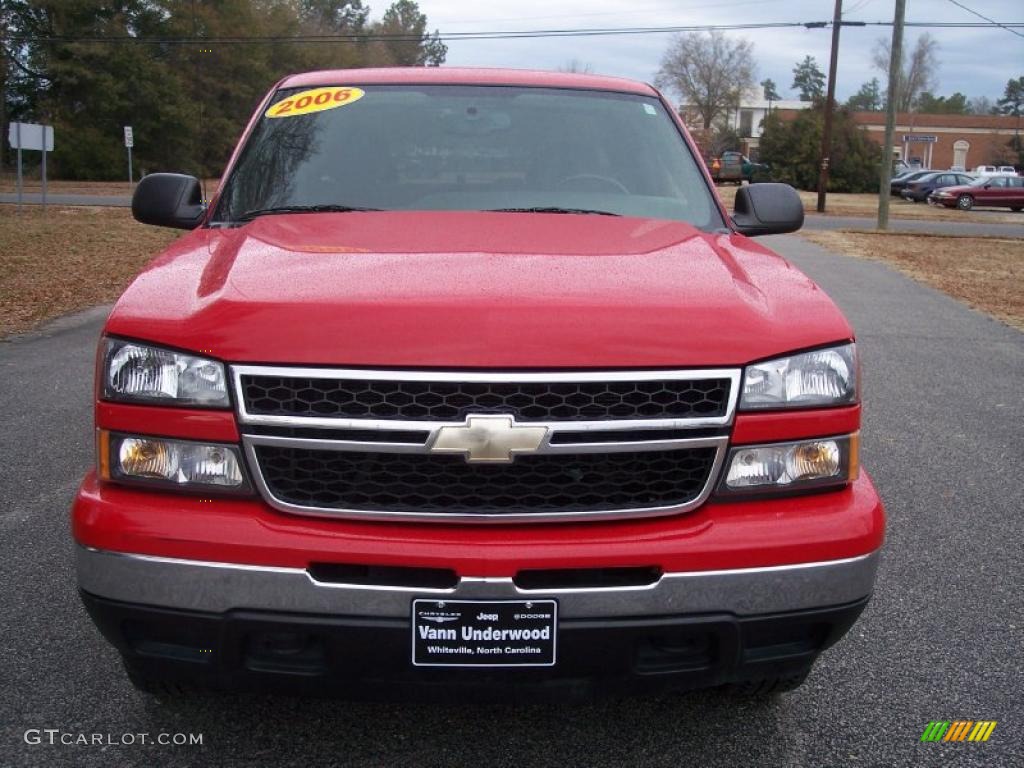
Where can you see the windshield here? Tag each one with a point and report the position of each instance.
(468, 148)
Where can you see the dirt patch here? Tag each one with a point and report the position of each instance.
(67, 260)
(985, 272)
(33, 185)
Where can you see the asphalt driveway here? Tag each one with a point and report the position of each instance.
(941, 640)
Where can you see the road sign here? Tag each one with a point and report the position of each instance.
(30, 136)
(129, 142)
(910, 138)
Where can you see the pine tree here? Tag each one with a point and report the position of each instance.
(809, 80)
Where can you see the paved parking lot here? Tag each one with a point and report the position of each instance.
(942, 638)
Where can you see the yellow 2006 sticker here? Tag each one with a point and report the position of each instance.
(315, 100)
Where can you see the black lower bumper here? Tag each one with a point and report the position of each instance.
(366, 658)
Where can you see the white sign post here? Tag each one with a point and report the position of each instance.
(17, 129)
(129, 142)
(35, 137)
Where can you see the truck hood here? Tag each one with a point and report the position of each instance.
(475, 290)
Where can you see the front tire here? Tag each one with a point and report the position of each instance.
(965, 202)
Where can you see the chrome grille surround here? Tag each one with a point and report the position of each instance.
(711, 432)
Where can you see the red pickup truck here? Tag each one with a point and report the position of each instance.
(465, 380)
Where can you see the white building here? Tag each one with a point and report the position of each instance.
(747, 118)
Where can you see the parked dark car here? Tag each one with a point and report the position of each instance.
(919, 190)
(997, 191)
(897, 184)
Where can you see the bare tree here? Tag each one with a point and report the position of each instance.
(981, 105)
(575, 65)
(708, 71)
(918, 73)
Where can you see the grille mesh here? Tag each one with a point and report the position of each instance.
(454, 400)
(425, 483)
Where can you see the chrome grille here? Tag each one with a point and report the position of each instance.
(423, 483)
(455, 400)
(615, 444)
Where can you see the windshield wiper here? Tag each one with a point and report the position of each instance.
(552, 209)
(250, 215)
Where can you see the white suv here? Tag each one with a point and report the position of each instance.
(995, 170)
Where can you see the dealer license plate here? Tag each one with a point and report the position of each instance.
(476, 633)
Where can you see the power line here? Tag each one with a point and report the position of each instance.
(857, 7)
(986, 18)
(367, 37)
(948, 24)
(490, 35)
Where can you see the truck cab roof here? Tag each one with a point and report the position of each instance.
(466, 76)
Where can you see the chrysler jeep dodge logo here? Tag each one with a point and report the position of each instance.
(489, 439)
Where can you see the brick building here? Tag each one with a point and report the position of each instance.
(944, 141)
(931, 141)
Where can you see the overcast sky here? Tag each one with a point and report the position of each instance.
(976, 62)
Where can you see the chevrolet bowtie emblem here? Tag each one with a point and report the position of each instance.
(489, 438)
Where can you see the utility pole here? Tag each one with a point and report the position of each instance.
(895, 70)
(826, 134)
(3, 86)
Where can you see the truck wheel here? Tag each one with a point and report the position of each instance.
(965, 202)
(1016, 208)
(767, 687)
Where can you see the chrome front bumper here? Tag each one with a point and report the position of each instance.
(219, 587)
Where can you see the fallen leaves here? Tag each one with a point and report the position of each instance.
(68, 259)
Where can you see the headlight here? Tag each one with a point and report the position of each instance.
(171, 463)
(792, 466)
(807, 380)
(139, 373)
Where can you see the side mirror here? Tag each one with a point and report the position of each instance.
(169, 200)
(767, 209)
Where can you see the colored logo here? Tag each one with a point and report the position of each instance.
(958, 730)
